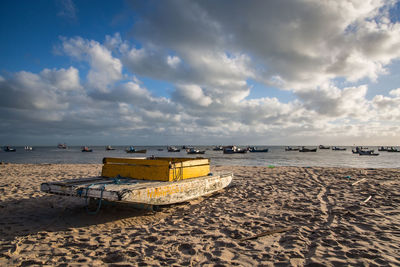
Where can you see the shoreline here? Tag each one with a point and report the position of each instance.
(216, 166)
(326, 220)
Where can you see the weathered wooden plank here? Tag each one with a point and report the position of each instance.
(162, 169)
(145, 192)
(178, 173)
(140, 161)
(144, 172)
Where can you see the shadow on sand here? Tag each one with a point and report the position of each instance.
(55, 213)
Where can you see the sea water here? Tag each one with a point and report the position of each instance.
(277, 156)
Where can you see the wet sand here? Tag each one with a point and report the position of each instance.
(291, 216)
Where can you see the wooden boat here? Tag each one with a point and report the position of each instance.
(304, 149)
(324, 147)
(367, 153)
(86, 149)
(291, 149)
(173, 149)
(195, 151)
(338, 148)
(9, 149)
(150, 181)
(131, 149)
(234, 150)
(255, 149)
(356, 150)
(218, 148)
(392, 149)
(62, 146)
(109, 148)
(383, 148)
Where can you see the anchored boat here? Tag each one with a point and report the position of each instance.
(233, 150)
(304, 149)
(86, 149)
(9, 149)
(131, 149)
(150, 181)
(195, 151)
(255, 149)
(291, 149)
(173, 149)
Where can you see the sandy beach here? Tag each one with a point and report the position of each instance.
(268, 216)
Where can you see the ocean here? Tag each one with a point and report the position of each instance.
(277, 156)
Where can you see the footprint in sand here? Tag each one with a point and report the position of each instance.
(186, 249)
(114, 257)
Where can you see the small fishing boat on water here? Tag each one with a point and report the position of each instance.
(218, 148)
(131, 149)
(362, 152)
(149, 181)
(86, 149)
(324, 147)
(9, 149)
(392, 149)
(28, 148)
(195, 151)
(255, 149)
(109, 148)
(173, 149)
(62, 146)
(292, 148)
(335, 148)
(304, 149)
(234, 150)
(367, 153)
(383, 148)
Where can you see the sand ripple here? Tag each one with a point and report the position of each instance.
(330, 222)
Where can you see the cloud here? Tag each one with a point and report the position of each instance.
(302, 43)
(333, 102)
(47, 90)
(173, 61)
(208, 51)
(105, 69)
(192, 94)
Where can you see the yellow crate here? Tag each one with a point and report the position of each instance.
(159, 169)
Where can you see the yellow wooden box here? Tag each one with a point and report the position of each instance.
(158, 168)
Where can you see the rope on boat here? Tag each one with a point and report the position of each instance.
(116, 180)
(177, 173)
(99, 201)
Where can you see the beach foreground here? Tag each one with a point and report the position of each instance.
(328, 216)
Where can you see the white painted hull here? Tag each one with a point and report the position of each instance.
(140, 191)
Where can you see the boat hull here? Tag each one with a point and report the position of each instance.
(259, 151)
(196, 152)
(137, 151)
(140, 191)
(308, 150)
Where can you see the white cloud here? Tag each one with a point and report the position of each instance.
(302, 43)
(45, 91)
(63, 79)
(395, 92)
(191, 94)
(208, 51)
(173, 61)
(105, 69)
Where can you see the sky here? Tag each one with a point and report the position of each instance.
(277, 72)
